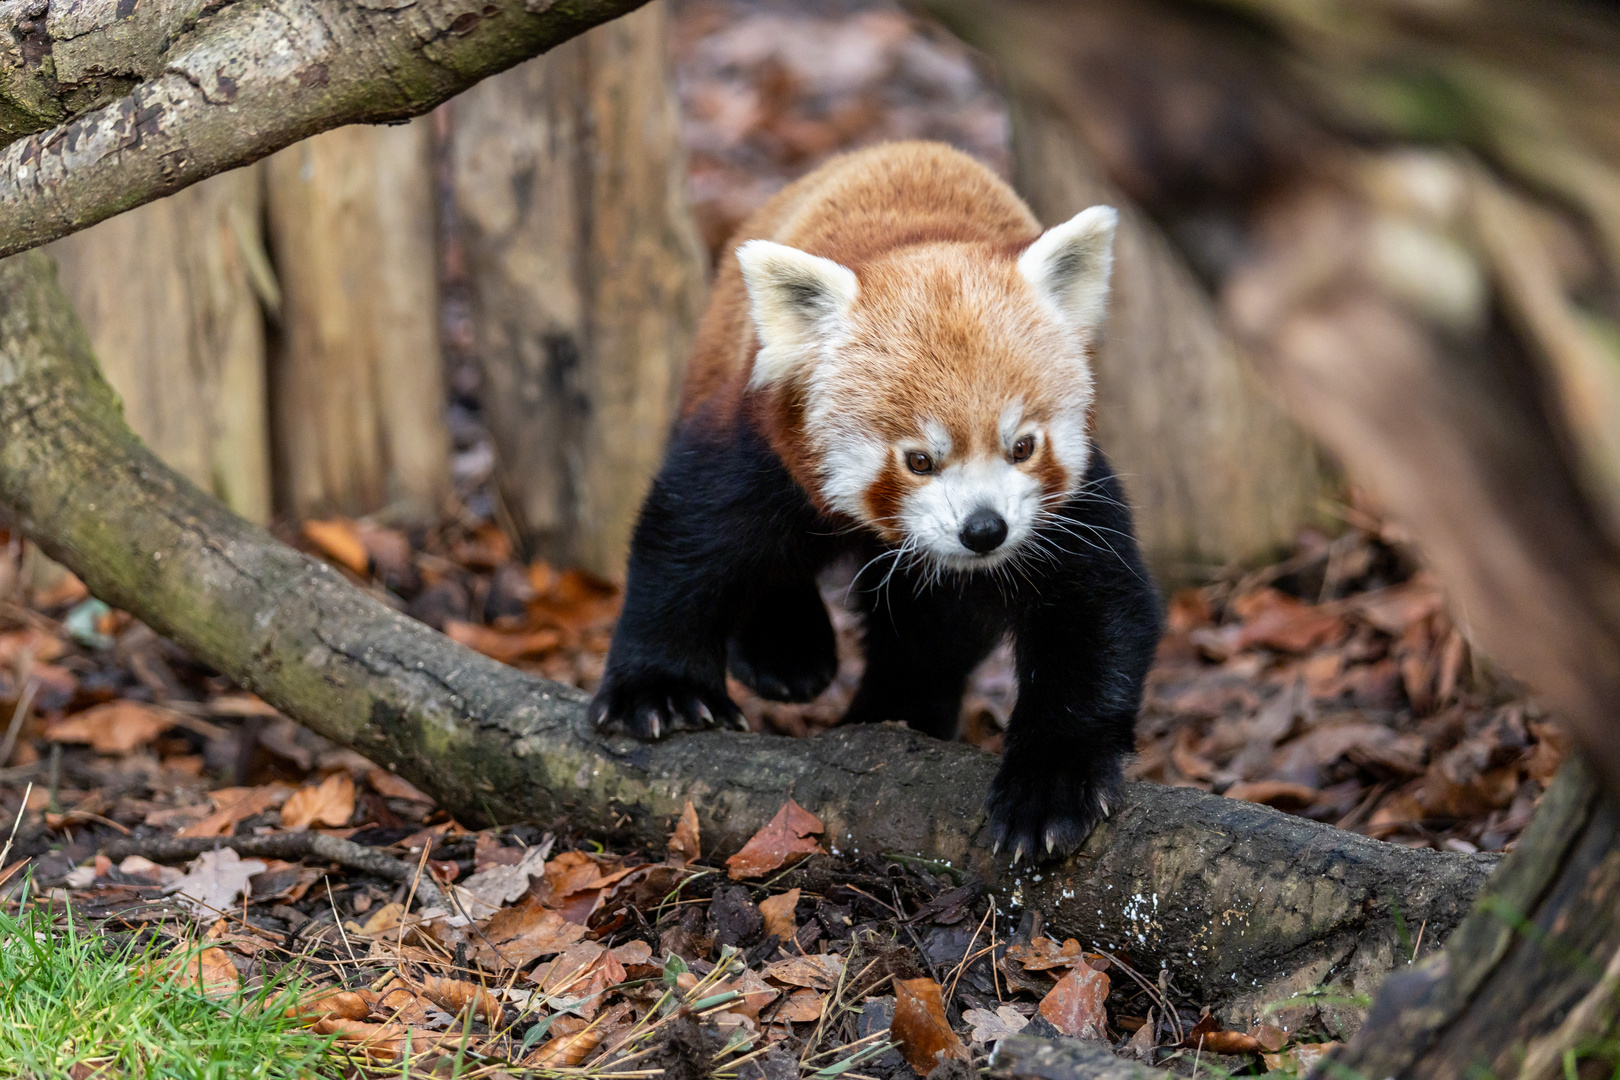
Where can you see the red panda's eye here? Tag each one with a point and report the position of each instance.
(919, 463)
(1023, 448)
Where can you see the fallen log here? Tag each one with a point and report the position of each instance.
(1243, 905)
(107, 107)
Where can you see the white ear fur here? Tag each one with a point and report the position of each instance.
(1069, 264)
(797, 299)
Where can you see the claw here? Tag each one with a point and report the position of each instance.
(995, 848)
(657, 726)
(703, 711)
(1051, 841)
(1018, 853)
(1105, 808)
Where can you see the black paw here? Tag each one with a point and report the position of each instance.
(1046, 811)
(787, 650)
(651, 707)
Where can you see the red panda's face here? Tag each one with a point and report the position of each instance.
(945, 388)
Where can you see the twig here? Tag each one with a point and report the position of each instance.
(1415, 946)
(18, 716)
(968, 955)
(21, 810)
(288, 846)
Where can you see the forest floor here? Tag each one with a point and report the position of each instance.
(1332, 684)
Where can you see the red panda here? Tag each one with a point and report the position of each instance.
(896, 363)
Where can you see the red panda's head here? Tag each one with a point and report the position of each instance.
(941, 391)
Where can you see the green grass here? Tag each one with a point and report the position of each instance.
(70, 1007)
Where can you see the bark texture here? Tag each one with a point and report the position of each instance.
(170, 294)
(1216, 474)
(1265, 904)
(587, 279)
(144, 101)
(1531, 976)
(358, 372)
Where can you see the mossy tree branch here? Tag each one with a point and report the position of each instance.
(106, 111)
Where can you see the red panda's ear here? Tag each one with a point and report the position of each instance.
(1069, 264)
(797, 299)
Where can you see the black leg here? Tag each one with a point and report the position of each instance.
(784, 648)
(1083, 648)
(921, 644)
(722, 519)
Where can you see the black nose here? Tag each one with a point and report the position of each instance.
(983, 531)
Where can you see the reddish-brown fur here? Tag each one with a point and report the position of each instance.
(933, 238)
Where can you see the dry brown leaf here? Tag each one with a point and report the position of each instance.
(116, 727)
(232, 805)
(786, 837)
(208, 971)
(920, 1028)
(778, 912)
(455, 996)
(386, 918)
(339, 540)
(326, 1003)
(1043, 954)
(502, 646)
(214, 880)
(801, 1007)
(989, 1027)
(524, 932)
(331, 802)
(817, 972)
(1278, 793)
(390, 786)
(683, 842)
(1075, 1005)
(570, 1047)
(1301, 1058)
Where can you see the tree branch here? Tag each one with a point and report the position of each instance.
(108, 113)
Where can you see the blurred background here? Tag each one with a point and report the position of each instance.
(444, 355)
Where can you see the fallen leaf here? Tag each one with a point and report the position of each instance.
(1043, 954)
(331, 802)
(1301, 1058)
(989, 1027)
(919, 1027)
(1231, 1042)
(207, 971)
(683, 842)
(1278, 793)
(214, 880)
(503, 646)
(494, 888)
(1270, 1036)
(386, 918)
(456, 996)
(524, 932)
(1143, 1041)
(778, 912)
(324, 1003)
(233, 805)
(116, 727)
(786, 837)
(390, 786)
(801, 1007)
(339, 540)
(818, 972)
(1075, 1005)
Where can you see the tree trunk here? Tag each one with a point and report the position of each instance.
(1529, 985)
(212, 92)
(358, 373)
(167, 293)
(587, 279)
(1242, 904)
(1216, 474)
